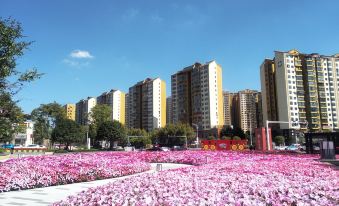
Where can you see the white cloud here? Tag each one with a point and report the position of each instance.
(81, 54)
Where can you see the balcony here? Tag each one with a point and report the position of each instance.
(297, 63)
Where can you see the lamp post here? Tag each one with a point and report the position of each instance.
(197, 128)
(88, 140)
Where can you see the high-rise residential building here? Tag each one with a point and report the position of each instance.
(197, 95)
(83, 109)
(227, 108)
(70, 111)
(248, 101)
(127, 110)
(234, 107)
(258, 108)
(169, 111)
(147, 104)
(306, 90)
(115, 99)
(268, 89)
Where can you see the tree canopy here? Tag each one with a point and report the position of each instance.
(111, 131)
(45, 118)
(174, 134)
(141, 138)
(279, 140)
(227, 131)
(101, 113)
(9, 119)
(68, 132)
(12, 46)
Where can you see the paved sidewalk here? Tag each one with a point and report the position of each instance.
(49, 195)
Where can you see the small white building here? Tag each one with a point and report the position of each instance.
(26, 137)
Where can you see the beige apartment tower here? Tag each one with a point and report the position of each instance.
(197, 96)
(227, 108)
(115, 99)
(246, 110)
(83, 109)
(147, 104)
(305, 90)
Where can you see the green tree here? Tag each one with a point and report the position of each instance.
(9, 118)
(210, 138)
(111, 131)
(236, 138)
(141, 138)
(239, 132)
(226, 138)
(226, 131)
(67, 132)
(279, 140)
(174, 134)
(11, 79)
(137, 132)
(45, 118)
(100, 113)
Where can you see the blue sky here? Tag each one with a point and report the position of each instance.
(87, 47)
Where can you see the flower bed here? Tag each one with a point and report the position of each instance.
(222, 178)
(42, 171)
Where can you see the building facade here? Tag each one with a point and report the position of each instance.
(127, 110)
(115, 99)
(306, 90)
(169, 111)
(147, 104)
(268, 89)
(25, 137)
(83, 109)
(197, 96)
(248, 105)
(70, 111)
(227, 108)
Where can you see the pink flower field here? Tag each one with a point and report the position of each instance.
(216, 178)
(43, 171)
(222, 178)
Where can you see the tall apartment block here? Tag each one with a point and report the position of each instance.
(127, 110)
(247, 110)
(83, 109)
(268, 90)
(147, 104)
(227, 108)
(306, 90)
(197, 95)
(115, 99)
(70, 111)
(169, 112)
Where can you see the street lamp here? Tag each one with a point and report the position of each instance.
(197, 128)
(88, 140)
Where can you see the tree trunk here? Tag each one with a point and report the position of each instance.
(111, 144)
